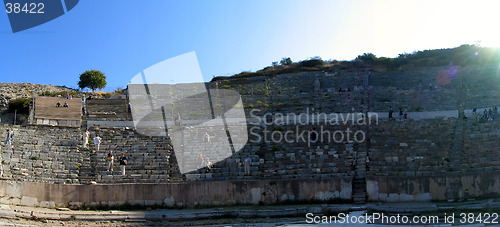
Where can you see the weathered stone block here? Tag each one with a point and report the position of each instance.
(29, 201)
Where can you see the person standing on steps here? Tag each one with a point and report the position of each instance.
(201, 161)
(123, 163)
(313, 136)
(206, 138)
(1, 167)
(86, 136)
(111, 160)
(97, 142)
(209, 164)
(246, 165)
(8, 139)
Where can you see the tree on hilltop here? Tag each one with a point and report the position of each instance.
(286, 61)
(367, 57)
(93, 79)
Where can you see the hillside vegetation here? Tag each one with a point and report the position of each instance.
(462, 56)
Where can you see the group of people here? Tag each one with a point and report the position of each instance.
(64, 105)
(402, 115)
(344, 89)
(205, 161)
(97, 141)
(110, 157)
(487, 115)
(83, 104)
(69, 97)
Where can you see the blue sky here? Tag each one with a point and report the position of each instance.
(124, 37)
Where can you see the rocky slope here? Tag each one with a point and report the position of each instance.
(10, 91)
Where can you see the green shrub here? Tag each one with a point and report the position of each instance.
(311, 63)
(22, 105)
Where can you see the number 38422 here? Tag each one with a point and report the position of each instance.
(24, 8)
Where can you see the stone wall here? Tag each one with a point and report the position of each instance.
(447, 186)
(439, 146)
(175, 195)
(222, 193)
(42, 154)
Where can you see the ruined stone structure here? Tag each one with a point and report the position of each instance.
(440, 153)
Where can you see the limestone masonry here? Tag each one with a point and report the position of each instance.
(441, 152)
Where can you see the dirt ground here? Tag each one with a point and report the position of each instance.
(212, 222)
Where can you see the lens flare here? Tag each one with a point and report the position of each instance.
(446, 75)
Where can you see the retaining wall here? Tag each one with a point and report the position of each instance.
(442, 187)
(219, 193)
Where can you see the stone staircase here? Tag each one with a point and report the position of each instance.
(359, 181)
(457, 147)
(107, 110)
(149, 158)
(272, 161)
